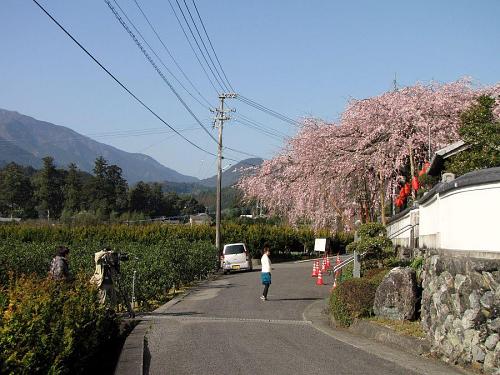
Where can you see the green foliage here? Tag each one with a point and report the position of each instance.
(418, 265)
(159, 266)
(49, 327)
(340, 241)
(353, 298)
(480, 130)
(16, 192)
(167, 255)
(369, 230)
(374, 244)
(49, 183)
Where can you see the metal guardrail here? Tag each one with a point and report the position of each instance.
(402, 230)
(354, 258)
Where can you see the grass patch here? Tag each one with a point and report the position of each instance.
(408, 328)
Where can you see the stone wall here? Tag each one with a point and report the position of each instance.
(461, 308)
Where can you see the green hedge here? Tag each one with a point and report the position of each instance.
(353, 298)
(49, 327)
(159, 266)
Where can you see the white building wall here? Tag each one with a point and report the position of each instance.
(470, 218)
(465, 218)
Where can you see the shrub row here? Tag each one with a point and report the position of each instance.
(158, 267)
(49, 327)
(282, 239)
(353, 298)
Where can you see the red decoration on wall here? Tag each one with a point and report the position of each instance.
(414, 183)
(407, 188)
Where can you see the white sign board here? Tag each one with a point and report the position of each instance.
(320, 244)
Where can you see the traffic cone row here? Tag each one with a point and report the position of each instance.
(318, 270)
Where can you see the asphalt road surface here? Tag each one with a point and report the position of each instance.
(223, 327)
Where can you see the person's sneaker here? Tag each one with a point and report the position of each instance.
(262, 298)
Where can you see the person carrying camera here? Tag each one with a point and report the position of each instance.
(103, 277)
(59, 266)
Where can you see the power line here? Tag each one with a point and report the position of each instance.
(138, 43)
(243, 122)
(192, 48)
(170, 54)
(262, 126)
(199, 48)
(113, 135)
(211, 45)
(205, 47)
(264, 109)
(158, 70)
(119, 82)
(108, 72)
(158, 57)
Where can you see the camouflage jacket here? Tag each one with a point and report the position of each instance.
(59, 268)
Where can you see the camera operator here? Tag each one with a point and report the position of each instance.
(107, 278)
(103, 277)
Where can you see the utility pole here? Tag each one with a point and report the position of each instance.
(220, 117)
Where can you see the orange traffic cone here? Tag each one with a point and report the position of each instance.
(328, 265)
(323, 265)
(319, 281)
(334, 282)
(337, 262)
(315, 269)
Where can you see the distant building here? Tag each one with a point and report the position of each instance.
(200, 219)
(9, 219)
(440, 156)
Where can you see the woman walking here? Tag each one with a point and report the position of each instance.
(265, 275)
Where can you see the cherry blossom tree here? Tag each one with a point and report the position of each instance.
(332, 173)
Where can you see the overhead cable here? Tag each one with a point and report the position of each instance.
(135, 97)
(264, 109)
(119, 82)
(205, 47)
(263, 126)
(211, 45)
(169, 53)
(159, 58)
(198, 45)
(158, 70)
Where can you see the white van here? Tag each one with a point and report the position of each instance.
(235, 257)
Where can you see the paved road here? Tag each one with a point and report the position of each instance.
(224, 328)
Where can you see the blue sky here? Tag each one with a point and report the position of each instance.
(300, 58)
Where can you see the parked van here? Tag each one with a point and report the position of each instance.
(235, 257)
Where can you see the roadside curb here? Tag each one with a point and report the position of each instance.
(387, 347)
(131, 360)
(386, 335)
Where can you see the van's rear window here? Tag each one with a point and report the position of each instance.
(234, 249)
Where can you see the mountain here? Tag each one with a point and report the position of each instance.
(233, 174)
(26, 141)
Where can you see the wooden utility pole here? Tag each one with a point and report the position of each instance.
(219, 122)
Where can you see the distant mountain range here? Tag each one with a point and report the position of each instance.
(26, 141)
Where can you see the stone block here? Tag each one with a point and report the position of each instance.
(492, 341)
(478, 353)
(494, 325)
(487, 299)
(396, 296)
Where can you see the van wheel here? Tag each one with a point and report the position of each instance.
(226, 272)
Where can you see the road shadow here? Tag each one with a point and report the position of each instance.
(212, 286)
(295, 299)
(181, 313)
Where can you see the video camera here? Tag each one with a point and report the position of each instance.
(113, 259)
